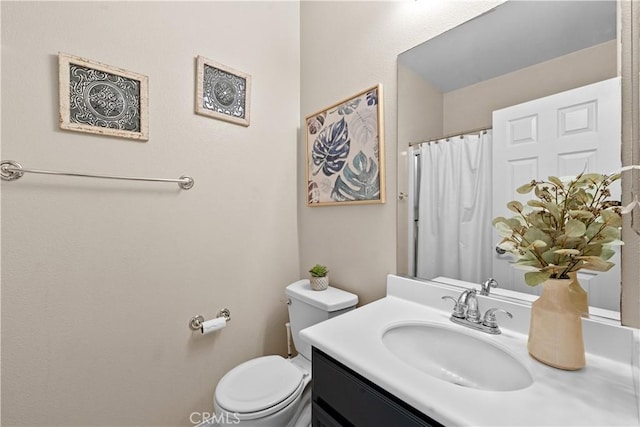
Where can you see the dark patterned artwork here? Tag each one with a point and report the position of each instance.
(102, 99)
(222, 92)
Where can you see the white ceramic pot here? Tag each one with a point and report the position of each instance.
(319, 283)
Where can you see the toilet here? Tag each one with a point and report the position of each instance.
(272, 390)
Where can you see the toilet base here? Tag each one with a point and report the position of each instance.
(301, 417)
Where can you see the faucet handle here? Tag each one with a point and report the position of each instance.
(459, 307)
(490, 317)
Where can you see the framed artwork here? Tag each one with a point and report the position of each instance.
(102, 99)
(345, 151)
(222, 92)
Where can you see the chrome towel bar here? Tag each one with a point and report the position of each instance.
(11, 170)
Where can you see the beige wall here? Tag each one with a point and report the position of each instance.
(345, 48)
(100, 278)
(471, 107)
(420, 107)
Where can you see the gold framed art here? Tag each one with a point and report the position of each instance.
(345, 151)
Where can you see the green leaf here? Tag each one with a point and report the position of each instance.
(556, 181)
(567, 252)
(533, 234)
(539, 219)
(575, 228)
(607, 253)
(580, 214)
(608, 235)
(498, 219)
(611, 218)
(549, 256)
(592, 178)
(503, 229)
(553, 209)
(515, 206)
(529, 263)
(525, 266)
(515, 223)
(539, 244)
(536, 204)
(534, 278)
(593, 249)
(595, 263)
(593, 229)
(526, 188)
(582, 196)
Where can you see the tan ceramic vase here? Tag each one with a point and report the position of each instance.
(555, 332)
(578, 295)
(319, 283)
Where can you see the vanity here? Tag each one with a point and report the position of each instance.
(400, 361)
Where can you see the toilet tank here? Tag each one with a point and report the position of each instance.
(308, 307)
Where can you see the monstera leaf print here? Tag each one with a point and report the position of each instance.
(361, 183)
(363, 126)
(372, 97)
(313, 194)
(331, 148)
(349, 107)
(315, 123)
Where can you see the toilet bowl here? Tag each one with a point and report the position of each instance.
(271, 390)
(267, 391)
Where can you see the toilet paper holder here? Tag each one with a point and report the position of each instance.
(196, 321)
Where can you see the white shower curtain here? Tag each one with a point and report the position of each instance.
(454, 228)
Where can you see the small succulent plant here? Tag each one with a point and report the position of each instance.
(318, 271)
(570, 225)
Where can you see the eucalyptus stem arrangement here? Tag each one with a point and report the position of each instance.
(570, 225)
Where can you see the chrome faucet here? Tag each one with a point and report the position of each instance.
(487, 285)
(460, 305)
(466, 312)
(473, 311)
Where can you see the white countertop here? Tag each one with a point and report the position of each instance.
(604, 393)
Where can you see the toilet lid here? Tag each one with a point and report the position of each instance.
(258, 384)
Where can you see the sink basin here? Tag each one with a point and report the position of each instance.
(455, 356)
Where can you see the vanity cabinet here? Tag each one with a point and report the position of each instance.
(341, 397)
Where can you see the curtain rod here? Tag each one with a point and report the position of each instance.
(466, 132)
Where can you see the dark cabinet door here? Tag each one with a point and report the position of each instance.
(341, 397)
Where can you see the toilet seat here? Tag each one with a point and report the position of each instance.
(259, 387)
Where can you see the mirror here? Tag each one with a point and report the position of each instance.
(516, 53)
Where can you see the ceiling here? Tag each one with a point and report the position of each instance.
(530, 31)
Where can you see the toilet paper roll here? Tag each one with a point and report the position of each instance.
(213, 325)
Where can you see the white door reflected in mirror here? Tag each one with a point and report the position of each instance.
(561, 135)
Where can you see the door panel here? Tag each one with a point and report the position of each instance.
(563, 135)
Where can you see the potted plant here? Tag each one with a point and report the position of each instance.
(568, 226)
(319, 279)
